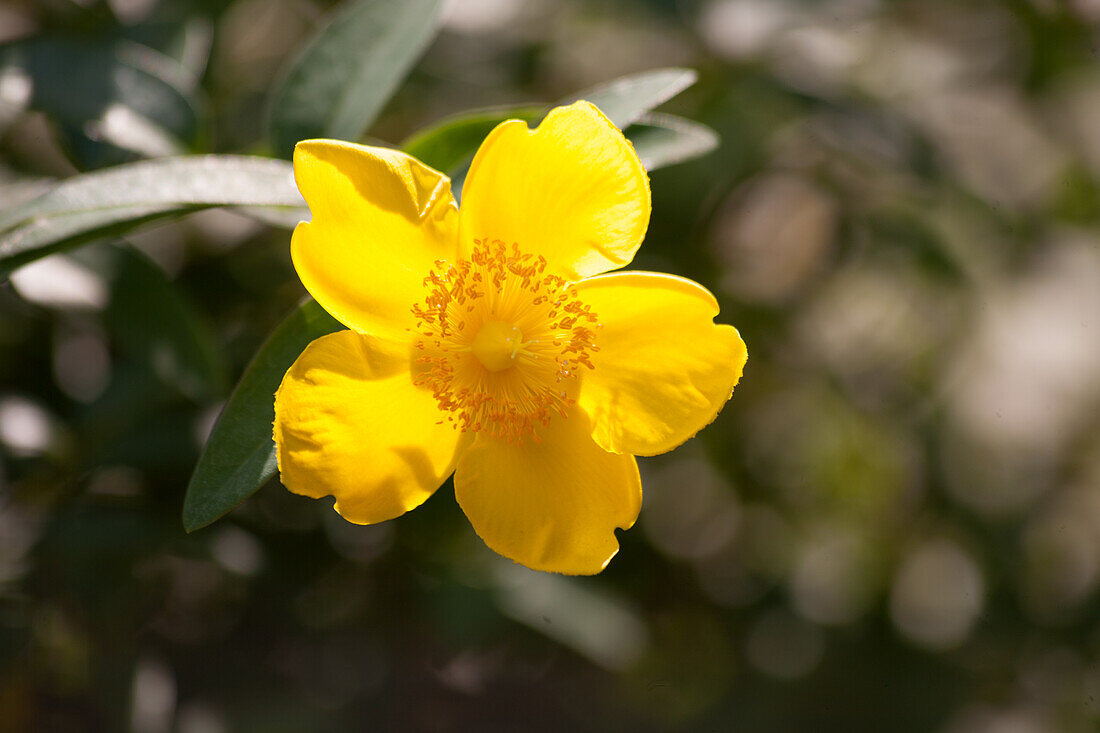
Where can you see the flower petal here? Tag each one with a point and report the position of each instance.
(571, 190)
(552, 505)
(663, 369)
(350, 423)
(380, 220)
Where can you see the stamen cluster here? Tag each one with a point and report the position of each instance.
(498, 283)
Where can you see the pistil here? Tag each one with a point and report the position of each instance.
(501, 341)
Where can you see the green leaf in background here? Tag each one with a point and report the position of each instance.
(152, 322)
(344, 76)
(626, 99)
(239, 456)
(186, 42)
(112, 100)
(662, 140)
(908, 228)
(449, 144)
(119, 199)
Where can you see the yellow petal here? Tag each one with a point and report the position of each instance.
(663, 369)
(572, 190)
(350, 423)
(552, 505)
(380, 220)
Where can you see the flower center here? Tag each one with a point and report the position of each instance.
(501, 340)
(496, 345)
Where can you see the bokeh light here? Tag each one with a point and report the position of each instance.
(893, 525)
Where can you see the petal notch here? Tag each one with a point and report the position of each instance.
(664, 368)
(571, 190)
(350, 423)
(380, 220)
(552, 505)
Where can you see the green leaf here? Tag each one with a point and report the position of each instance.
(187, 42)
(344, 76)
(119, 199)
(239, 456)
(447, 145)
(451, 143)
(662, 140)
(152, 322)
(112, 100)
(627, 98)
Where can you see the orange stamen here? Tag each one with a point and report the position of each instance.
(501, 284)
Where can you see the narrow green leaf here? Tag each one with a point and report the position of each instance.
(449, 144)
(117, 200)
(187, 42)
(280, 217)
(112, 100)
(152, 322)
(626, 99)
(239, 456)
(344, 76)
(662, 140)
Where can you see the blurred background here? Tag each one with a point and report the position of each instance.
(894, 525)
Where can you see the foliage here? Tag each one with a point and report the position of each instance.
(891, 527)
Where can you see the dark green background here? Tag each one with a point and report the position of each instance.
(894, 525)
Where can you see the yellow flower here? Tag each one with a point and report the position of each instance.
(488, 343)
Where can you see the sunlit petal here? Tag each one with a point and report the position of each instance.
(350, 423)
(380, 219)
(571, 190)
(663, 369)
(552, 505)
